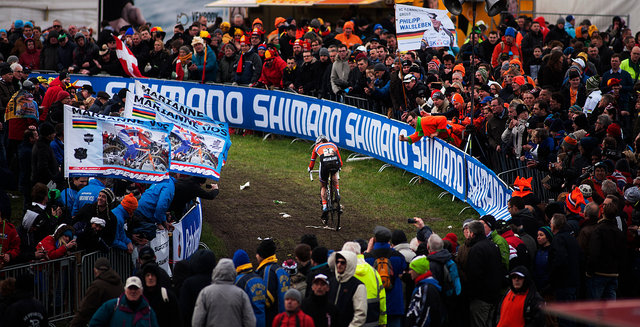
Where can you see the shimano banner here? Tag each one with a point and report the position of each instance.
(186, 233)
(350, 128)
(97, 145)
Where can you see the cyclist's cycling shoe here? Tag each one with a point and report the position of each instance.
(324, 217)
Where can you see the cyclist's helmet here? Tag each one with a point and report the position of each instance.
(290, 266)
(321, 139)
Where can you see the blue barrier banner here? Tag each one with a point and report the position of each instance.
(115, 147)
(186, 233)
(357, 130)
(487, 193)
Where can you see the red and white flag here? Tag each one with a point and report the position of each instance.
(128, 61)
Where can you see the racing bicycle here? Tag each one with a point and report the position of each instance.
(331, 217)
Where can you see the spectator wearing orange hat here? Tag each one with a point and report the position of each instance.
(347, 37)
(249, 65)
(123, 213)
(278, 22)
(272, 69)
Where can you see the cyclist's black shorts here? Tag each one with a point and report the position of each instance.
(328, 165)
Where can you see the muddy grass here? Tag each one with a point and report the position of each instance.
(241, 217)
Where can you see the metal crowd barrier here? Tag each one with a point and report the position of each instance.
(60, 284)
(54, 284)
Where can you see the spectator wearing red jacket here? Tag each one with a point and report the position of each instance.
(9, 242)
(272, 69)
(293, 316)
(56, 246)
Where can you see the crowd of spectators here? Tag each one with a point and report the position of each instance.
(560, 98)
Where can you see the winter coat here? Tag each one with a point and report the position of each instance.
(49, 57)
(44, 166)
(503, 246)
(564, 257)
(227, 69)
(91, 210)
(222, 303)
(531, 311)
(166, 308)
(25, 311)
(30, 59)
(120, 240)
(256, 290)
(58, 150)
(348, 294)
(276, 287)
(211, 68)
(605, 253)
(202, 263)
(88, 194)
(88, 239)
(376, 294)
(52, 247)
(250, 70)
(155, 201)
(9, 241)
(307, 77)
(405, 250)
(322, 268)
(484, 270)
(86, 54)
(298, 319)
(118, 313)
(65, 55)
(426, 308)
(518, 252)
(395, 300)
(272, 74)
(107, 286)
(160, 64)
(320, 309)
(339, 75)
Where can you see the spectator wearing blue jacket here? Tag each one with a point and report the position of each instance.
(57, 145)
(123, 212)
(198, 61)
(88, 194)
(69, 195)
(156, 200)
(252, 284)
(379, 247)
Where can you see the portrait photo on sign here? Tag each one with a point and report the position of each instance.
(437, 35)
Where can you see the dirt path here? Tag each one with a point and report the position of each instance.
(239, 218)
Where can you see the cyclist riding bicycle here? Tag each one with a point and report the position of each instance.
(330, 163)
(126, 135)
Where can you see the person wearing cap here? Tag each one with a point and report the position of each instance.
(376, 293)
(106, 285)
(426, 307)
(6, 84)
(347, 293)
(222, 303)
(379, 247)
(484, 271)
(101, 101)
(347, 37)
(249, 66)
(123, 213)
(508, 47)
(558, 33)
(84, 55)
(88, 194)
(252, 284)
(521, 306)
(272, 69)
(65, 52)
(129, 309)
(293, 315)
(204, 61)
(317, 304)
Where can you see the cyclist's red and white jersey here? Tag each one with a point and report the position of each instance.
(324, 149)
(127, 136)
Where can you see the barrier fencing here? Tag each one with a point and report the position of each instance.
(60, 284)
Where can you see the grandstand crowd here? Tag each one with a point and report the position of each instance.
(559, 98)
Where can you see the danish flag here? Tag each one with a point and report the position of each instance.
(128, 61)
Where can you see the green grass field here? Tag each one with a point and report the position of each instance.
(386, 197)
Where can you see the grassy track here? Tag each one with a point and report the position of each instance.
(386, 198)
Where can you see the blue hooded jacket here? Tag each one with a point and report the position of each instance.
(88, 194)
(211, 68)
(121, 240)
(155, 201)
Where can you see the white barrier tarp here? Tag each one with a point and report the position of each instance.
(594, 7)
(69, 12)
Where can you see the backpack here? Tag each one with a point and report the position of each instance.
(382, 265)
(283, 285)
(451, 284)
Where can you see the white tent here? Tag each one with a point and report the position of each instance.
(76, 12)
(599, 12)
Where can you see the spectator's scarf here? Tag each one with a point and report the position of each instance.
(240, 63)
(179, 69)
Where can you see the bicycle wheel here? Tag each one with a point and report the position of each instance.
(336, 210)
